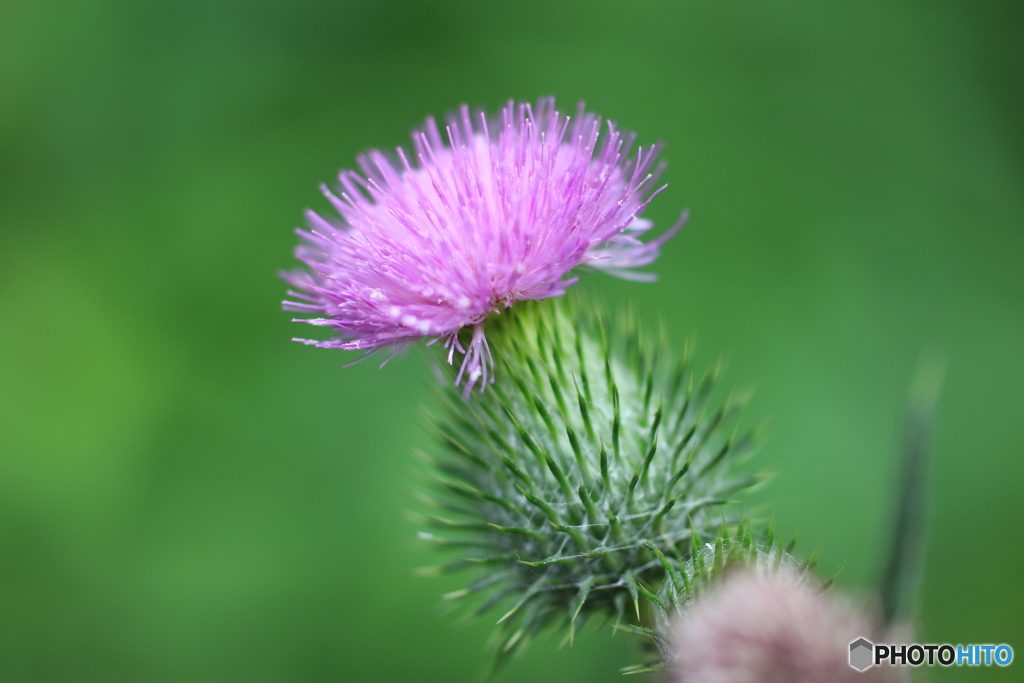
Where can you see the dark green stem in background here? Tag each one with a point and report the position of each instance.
(901, 579)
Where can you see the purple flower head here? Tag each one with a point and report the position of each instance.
(494, 212)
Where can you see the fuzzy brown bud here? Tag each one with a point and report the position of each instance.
(769, 627)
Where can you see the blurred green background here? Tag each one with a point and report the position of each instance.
(186, 495)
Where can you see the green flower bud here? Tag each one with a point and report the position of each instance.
(592, 479)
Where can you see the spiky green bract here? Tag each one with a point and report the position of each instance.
(704, 567)
(590, 478)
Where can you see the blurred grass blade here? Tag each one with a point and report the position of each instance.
(903, 571)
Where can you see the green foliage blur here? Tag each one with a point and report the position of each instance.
(187, 495)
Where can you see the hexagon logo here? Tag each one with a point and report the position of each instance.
(861, 651)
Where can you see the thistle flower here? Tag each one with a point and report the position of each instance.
(592, 479)
(503, 211)
(769, 626)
